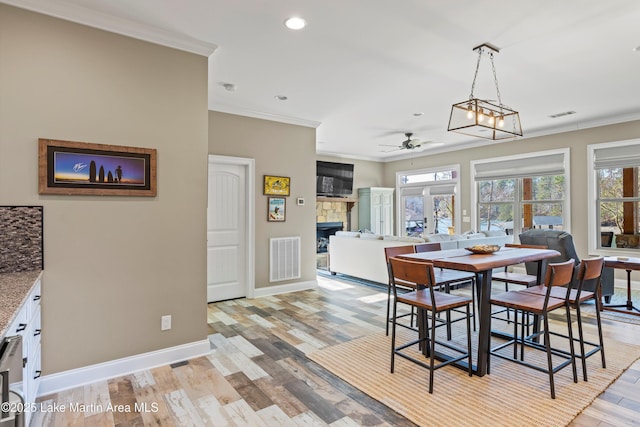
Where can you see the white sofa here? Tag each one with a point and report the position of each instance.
(362, 255)
(461, 241)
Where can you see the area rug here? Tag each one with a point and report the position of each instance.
(618, 298)
(510, 395)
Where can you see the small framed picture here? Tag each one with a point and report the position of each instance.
(276, 209)
(276, 185)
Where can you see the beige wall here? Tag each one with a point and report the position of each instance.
(577, 141)
(113, 265)
(278, 149)
(365, 174)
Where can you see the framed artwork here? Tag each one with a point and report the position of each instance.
(276, 185)
(277, 209)
(80, 168)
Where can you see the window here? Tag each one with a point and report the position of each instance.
(426, 200)
(517, 193)
(614, 170)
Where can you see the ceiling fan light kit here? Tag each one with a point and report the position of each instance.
(481, 118)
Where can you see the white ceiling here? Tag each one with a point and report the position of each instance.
(362, 68)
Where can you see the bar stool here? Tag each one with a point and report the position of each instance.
(448, 278)
(589, 270)
(507, 277)
(558, 276)
(429, 303)
(390, 252)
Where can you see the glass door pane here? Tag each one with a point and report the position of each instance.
(443, 213)
(413, 215)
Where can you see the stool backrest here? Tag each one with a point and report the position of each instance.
(393, 251)
(420, 273)
(559, 273)
(590, 269)
(428, 247)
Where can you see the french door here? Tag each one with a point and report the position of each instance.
(427, 213)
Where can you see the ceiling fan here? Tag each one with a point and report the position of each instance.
(408, 144)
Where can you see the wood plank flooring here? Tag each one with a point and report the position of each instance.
(257, 373)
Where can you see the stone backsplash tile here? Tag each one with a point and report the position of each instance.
(21, 234)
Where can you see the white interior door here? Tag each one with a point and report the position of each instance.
(229, 264)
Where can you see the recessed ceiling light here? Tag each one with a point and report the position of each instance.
(230, 87)
(418, 114)
(281, 97)
(636, 49)
(295, 23)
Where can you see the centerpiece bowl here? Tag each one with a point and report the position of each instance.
(483, 249)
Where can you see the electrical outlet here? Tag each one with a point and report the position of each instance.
(165, 323)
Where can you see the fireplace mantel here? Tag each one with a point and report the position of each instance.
(336, 199)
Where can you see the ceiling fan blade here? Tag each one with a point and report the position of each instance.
(390, 151)
(390, 132)
(389, 145)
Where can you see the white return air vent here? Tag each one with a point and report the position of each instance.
(564, 113)
(284, 258)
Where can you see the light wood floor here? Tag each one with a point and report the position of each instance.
(257, 373)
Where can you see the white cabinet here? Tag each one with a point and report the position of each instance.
(375, 210)
(27, 324)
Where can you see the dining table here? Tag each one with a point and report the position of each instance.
(482, 264)
(628, 264)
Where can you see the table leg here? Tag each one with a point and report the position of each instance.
(484, 331)
(536, 319)
(628, 307)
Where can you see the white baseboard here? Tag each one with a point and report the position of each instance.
(57, 382)
(283, 289)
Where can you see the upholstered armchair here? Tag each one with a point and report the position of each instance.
(562, 242)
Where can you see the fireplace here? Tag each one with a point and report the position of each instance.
(323, 231)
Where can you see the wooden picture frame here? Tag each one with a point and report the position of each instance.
(276, 185)
(81, 168)
(277, 209)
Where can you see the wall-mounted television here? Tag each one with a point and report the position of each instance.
(334, 179)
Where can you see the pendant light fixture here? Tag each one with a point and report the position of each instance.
(481, 118)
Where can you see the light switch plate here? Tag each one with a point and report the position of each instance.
(165, 323)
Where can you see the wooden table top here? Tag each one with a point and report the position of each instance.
(461, 259)
(626, 263)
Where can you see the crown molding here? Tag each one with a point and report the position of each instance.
(85, 16)
(264, 116)
(535, 133)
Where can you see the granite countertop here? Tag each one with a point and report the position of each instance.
(14, 288)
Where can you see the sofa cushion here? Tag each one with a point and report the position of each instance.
(347, 233)
(474, 235)
(494, 233)
(370, 236)
(437, 237)
(404, 239)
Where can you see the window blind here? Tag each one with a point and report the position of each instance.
(442, 190)
(433, 190)
(521, 167)
(617, 157)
